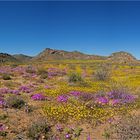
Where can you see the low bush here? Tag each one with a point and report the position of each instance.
(30, 69)
(102, 73)
(75, 77)
(43, 73)
(15, 102)
(128, 128)
(3, 117)
(39, 129)
(6, 77)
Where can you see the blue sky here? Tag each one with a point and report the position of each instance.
(92, 27)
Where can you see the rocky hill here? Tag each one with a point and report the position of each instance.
(4, 57)
(22, 57)
(52, 54)
(122, 57)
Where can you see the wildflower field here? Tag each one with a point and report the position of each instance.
(70, 100)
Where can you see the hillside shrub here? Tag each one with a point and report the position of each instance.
(15, 101)
(102, 73)
(128, 128)
(43, 73)
(39, 129)
(30, 69)
(6, 77)
(75, 77)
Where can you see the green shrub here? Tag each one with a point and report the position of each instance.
(15, 101)
(120, 87)
(128, 128)
(43, 73)
(75, 77)
(106, 135)
(30, 69)
(77, 132)
(39, 128)
(3, 116)
(28, 108)
(3, 133)
(102, 74)
(14, 65)
(6, 77)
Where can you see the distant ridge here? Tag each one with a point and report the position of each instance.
(54, 54)
(4, 57)
(22, 57)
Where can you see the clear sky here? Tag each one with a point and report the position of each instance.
(91, 27)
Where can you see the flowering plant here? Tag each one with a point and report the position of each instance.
(38, 96)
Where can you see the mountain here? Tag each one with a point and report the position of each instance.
(122, 57)
(22, 57)
(4, 57)
(53, 54)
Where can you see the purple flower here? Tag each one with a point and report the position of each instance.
(110, 120)
(75, 93)
(88, 138)
(55, 72)
(115, 102)
(57, 138)
(14, 92)
(62, 98)
(34, 75)
(59, 128)
(4, 90)
(2, 102)
(2, 127)
(102, 100)
(48, 87)
(86, 96)
(127, 98)
(25, 89)
(68, 136)
(38, 96)
(111, 94)
(120, 97)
